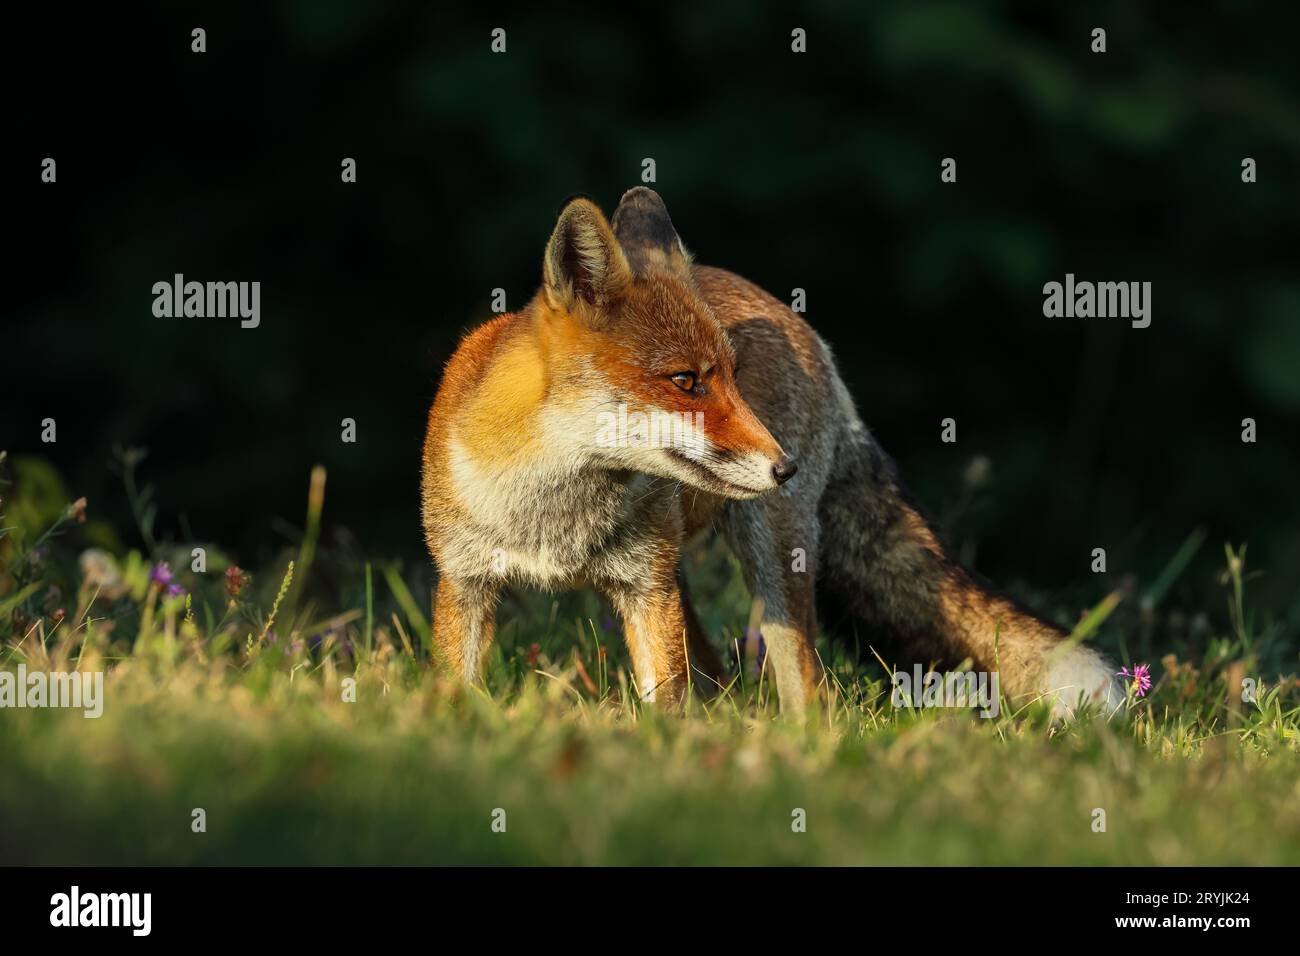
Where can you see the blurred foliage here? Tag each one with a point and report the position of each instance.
(818, 171)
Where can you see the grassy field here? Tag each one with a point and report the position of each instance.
(320, 731)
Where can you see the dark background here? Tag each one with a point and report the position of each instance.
(818, 170)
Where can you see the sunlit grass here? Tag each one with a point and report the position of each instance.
(317, 734)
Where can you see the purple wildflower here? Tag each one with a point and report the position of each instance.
(1141, 678)
(161, 574)
(316, 642)
(175, 590)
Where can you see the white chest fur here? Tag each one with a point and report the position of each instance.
(555, 524)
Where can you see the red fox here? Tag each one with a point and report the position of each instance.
(543, 466)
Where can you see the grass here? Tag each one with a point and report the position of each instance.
(330, 736)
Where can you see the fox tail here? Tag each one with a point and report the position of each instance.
(883, 560)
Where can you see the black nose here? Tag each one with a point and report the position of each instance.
(784, 469)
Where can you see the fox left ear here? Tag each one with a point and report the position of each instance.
(583, 260)
(645, 231)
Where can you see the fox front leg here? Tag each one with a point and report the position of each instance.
(464, 616)
(655, 628)
(777, 541)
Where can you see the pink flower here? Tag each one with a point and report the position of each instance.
(1141, 677)
(236, 578)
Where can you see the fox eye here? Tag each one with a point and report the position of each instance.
(684, 380)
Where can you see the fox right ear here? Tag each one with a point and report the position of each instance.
(583, 260)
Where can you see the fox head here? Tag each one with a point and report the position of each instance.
(646, 371)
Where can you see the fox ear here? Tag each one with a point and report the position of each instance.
(645, 231)
(583, 260)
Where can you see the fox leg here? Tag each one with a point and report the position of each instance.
(777, 544)
(464, 617)
(706, 668)
(656, 630)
